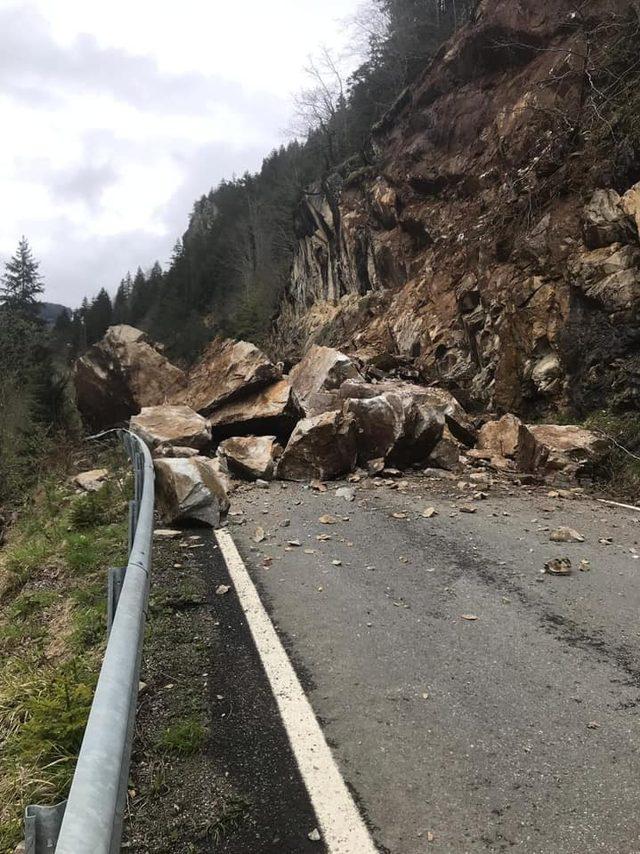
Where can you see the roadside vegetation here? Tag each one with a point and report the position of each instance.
(53, 627)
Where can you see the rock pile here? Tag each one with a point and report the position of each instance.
(327, 416)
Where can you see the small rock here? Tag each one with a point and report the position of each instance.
(318, 486)
(346, 493)
(327, 519)
(259, 536)
(566, 535)
(166, 534)
(470, 618)
(295, 543)
(222, 589)
(262, 484)
(336, 562)
(466, 508)
(558, 566)
(314, 836)
(428, 512)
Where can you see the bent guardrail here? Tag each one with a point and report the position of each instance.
(93, 814)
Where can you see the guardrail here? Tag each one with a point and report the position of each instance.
(90, 820)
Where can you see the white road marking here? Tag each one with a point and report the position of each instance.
(343, 829)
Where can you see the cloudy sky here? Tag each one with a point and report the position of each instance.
(116, 115)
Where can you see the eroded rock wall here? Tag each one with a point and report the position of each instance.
(494, 242)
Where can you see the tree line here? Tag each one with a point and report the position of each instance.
(228, 271)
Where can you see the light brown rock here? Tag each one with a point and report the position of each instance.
(189, 490)
(177, 451)
(270, 411)
(227, 370)
(605, 220)
(322, 447)
(322, 369)
(121, 374)
(631, 204)
(251, 457)
(91, 481)
(572, 449)
(171, 425)
(510, 438)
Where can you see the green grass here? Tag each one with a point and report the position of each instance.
(183, 737)
(52, 635)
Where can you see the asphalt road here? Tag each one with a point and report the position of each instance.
(518, 730)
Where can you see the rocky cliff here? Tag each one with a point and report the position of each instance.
(493, 245)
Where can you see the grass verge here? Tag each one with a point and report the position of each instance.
(52, 632)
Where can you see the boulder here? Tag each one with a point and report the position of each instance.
(251, 457)
(91, 481)
(121, 374)
(320, 448)
(190, 490)
(227, 370)
(512, 439)
(321, 369)
(169, 425)
(571, 449)
(270, 411)
(399, 428)
(605, 221)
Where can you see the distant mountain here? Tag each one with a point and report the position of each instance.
(51, 311)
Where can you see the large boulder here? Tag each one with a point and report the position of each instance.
(121, 374)
(190, 490)
(605, 220)
(227, 370)
(270, 411)
(169, 425)
(572, 449)
(396, 427)
(321, 447)
(512, 439)
(322, 369)
(251, 457)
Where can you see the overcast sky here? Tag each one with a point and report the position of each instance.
(117, 114)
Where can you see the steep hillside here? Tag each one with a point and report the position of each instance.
(475, 248)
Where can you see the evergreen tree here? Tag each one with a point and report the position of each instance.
(98, 316)
(21, 283)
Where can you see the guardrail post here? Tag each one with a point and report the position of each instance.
(42, 828)
(115, 580)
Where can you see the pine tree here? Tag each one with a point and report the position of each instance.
(21, 283)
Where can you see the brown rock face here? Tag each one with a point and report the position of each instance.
(272, 410)
(227, 370)
(189, 490)
(251, 457)
(121, 374)
(321, 370)
(171, 425)
(322, 447)
(572, 449)
(510, 438)
(468, 248)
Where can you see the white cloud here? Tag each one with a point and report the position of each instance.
(117, 115)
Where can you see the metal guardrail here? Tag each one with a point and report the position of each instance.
(90, 821)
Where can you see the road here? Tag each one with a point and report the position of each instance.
(517, 730)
